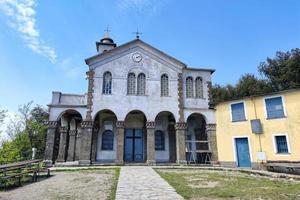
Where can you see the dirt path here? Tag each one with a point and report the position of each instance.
(66, 185)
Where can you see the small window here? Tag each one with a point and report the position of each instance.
(141, 84)
(107, 79)
(238, 112)
(131, 84)
(199, 87)
(159, 140)
(274, 107)
(107, 140)
(281, 144)
(189, 87)
(164, 85)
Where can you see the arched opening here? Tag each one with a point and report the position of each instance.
(135, 138)
(197, 144)
(66, 138)
(165, 137)
(104, 140)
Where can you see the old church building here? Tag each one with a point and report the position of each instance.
(141, 105)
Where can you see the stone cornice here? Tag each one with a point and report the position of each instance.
(150, 125)
(52, 124)
(210, 127)
(72, 132)
(63, 129)
(87, 124)
(181, 126)
(120, 124)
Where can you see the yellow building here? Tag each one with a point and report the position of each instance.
(259, 129)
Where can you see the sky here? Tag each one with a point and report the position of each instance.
(43, 43)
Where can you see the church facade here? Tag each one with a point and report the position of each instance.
(141, 106)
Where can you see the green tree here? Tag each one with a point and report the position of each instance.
(283, 71)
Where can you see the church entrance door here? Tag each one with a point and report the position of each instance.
(133, 145)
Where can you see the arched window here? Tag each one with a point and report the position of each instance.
(107, 140)
(189, 87)
(164, 85)
(131, 84)
(107, 79)
(159, 140)
(141, 84)
(199, 87)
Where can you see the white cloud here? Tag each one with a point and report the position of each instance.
(150, 6)
(22, 18)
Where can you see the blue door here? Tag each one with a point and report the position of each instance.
(133, 145)
(242, 152)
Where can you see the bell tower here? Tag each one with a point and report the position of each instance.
(106, 43)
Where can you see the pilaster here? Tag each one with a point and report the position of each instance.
(120, 142)
(72, 143)
(212, 140)
(52, 127)
(180, 142)
(150, 143)
(86, 143)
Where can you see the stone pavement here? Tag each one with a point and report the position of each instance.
(143, 183)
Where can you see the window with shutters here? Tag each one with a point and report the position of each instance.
(107, 80)
(281, 144)
(141, 84)
(131, 84)
(274, 108)
(164, 85)
(159, 140)
(189, 87)
(199, 87)
(238, 112)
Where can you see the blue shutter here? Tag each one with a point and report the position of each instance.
(274, 108)
(238, 112)
(281, 144)
(107, 140)
(159, 140)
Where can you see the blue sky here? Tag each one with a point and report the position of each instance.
(43, 43)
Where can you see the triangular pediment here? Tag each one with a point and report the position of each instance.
(133, 46)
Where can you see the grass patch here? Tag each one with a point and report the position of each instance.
(113, 190)
(226, 184)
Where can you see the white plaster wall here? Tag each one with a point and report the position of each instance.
(56, 112)
(150, 104)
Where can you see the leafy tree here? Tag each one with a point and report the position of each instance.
(283, 71)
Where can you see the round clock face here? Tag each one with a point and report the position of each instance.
(136, 57)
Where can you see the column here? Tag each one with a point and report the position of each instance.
(94, 142)
(78, 143)
(86, 143)
(52, 126)
(212, 140)
(62, 144)
(120, 142)
(72, 142)
(180, 142)
(150, 143)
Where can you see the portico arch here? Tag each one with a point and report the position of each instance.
(165, 137)
(104, 139)
(197, 143)
(69, 123)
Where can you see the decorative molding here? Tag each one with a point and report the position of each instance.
(180, 98)
(63, 129)
(52, 124)
(181, 126)
(90, 76)
(150, 125)
(120, 124)
(210, 127)
(87, 124)
(72, 132)
(209, 92)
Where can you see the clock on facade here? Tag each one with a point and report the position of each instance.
(136, 57)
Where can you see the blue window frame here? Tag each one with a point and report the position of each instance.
(107, 140)
(159, 140)
(281, 144)
(238, 112)
(274, 107)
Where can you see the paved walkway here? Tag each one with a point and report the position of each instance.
(141, 183)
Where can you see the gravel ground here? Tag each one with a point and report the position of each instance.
(94, 184)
